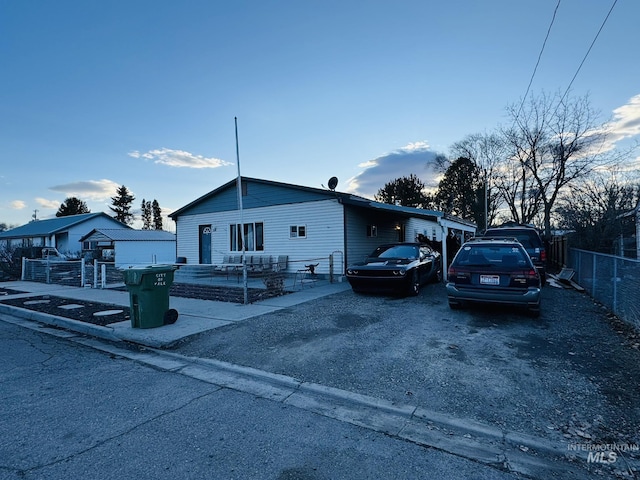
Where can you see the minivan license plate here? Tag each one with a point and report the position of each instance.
(490, 279)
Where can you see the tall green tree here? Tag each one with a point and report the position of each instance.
(404, 191)
(72, 206)
(461, 191)
(121, 205)
(157, 215)
(146, 214)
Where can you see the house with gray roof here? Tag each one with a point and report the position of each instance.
(128, 247)
(64, 233)
(309, 225)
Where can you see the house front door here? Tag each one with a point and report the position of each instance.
(205, 243)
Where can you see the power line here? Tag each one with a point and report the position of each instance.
(588, 51)
(539, 57)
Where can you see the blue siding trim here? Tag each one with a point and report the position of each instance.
(259, 194)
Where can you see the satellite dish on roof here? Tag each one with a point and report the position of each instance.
(333, 183)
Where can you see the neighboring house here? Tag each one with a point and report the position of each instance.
(306, 224)
(63, 233)
(127, 247)
(635, 214)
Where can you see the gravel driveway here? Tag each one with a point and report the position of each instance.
(572, 375)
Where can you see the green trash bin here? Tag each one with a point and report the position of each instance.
(149, 295)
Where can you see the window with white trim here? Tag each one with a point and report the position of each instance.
(298, 231)
(253, 235)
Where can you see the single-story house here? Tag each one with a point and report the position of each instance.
(306, 224)
(63, 233)
(127, 247)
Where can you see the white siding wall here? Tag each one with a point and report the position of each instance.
(323, 221)
(130, 253)
(71, 242)
(416, 226)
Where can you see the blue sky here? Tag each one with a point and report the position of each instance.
(143, 93)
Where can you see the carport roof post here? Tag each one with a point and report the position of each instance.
(447, 223)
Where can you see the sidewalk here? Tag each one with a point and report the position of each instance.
(195, 316)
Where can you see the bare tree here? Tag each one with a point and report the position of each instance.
(488, 152)
(553, 142)
(593, 209)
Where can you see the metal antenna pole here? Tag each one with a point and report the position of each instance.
(242, 239)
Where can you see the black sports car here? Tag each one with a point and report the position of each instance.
(396, 267)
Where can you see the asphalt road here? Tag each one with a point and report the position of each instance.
(69, 412)
(571, 377)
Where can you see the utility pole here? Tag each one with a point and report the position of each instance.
(242, 238)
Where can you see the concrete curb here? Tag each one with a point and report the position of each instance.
(506, 451)
(99, 331)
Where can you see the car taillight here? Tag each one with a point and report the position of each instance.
(525, 278)
(458, 275)
(543, 255)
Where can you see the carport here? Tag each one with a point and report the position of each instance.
(445, 232)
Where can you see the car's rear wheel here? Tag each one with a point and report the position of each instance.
(437, 278)
(534, 311)
(414, 284)
(454, 305)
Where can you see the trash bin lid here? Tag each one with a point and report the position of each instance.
(134, 275)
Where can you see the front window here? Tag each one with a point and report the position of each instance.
(253, 236)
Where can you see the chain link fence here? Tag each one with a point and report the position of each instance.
(70, 273)
(613, 281)
(73, 273)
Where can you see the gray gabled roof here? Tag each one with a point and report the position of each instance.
(232, 184)
(51, 226)
(344, 198)
(129, 235)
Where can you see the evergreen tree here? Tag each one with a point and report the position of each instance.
(121, 205)
(72, 206)
(404, 191)
(157, 215)
(461, 191)
(146, 215)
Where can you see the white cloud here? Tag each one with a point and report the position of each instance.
(18, 205)
(44, 203)
(96, 190)
(624, 125)
(180, 158)
(415, 158)
(626, 119)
